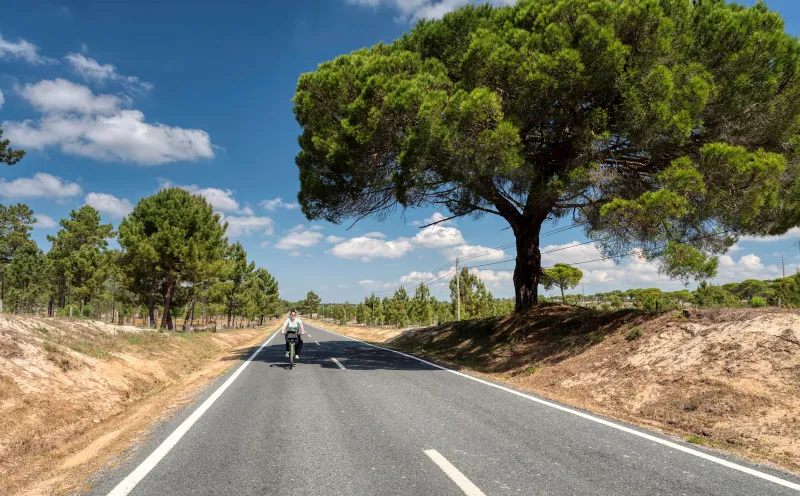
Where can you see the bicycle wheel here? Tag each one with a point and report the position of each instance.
(291, 354)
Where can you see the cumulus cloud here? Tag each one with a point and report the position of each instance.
(295, 254)
(438, 236)
(474, 253)
(247, 225)
(299, 237)
(82, 123)
(334, 239)
(2, 99)
(91, 70)
(792, 234)
(60, 95)
(41, 185)
(21, 50)
(109, 204)
(497, 281)
(44, 222)
(366, 249)
(277, 203)
(221, 199)
(374, 234)
(412, 10)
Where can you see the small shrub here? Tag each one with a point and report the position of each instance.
(634, 333)
(43, 330)
(695, 440)
(758, 302)
(52, 348)
(596, 337)
(691, 405)
(531, 370)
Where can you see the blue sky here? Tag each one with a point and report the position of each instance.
(114, 100)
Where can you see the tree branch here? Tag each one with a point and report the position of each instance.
(445, 220)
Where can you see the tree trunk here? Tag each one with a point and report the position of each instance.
(189, 313)
(528, 270)
(166, 320)
(151, 309)
(563, 298)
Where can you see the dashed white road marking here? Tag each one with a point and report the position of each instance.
(129, 483)
(317, 342)
(455, 475)
(337, 362)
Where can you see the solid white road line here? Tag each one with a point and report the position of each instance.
(338, 363)
(664, 442)
(460, 479)
(317, 342)
(129, 483)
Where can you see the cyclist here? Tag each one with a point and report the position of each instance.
(294, 324)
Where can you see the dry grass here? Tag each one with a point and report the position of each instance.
(75, 392)
(728, 378)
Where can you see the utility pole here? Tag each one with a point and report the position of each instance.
(458, 293)
(783, 266)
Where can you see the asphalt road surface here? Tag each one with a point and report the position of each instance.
(375, 422)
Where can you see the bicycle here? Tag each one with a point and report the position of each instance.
(291, 336)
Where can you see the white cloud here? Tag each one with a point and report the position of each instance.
(41, 185)
(436, 217)
(91, 70)
(415, 277)
(97, 126)
(374, 234)
(299, 237)
(265, 244)
(2, 99)
(295, 254)
(370, 285)
(60, 95)
(502, 280)
(109, 204)
(334, 239)
(44, 222)
(247, 225)
(747, 267)
(792, 234)
(368, 248)
(23, 50)
(438, 236)
(413, 10)
(220, 199)
(277, 203)
(474, 253)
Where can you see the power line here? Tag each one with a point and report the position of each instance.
(602, 259)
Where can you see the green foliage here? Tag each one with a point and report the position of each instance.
(310, 304)
(170, 238)
(596, 337)
(658, 125)
(422, 306)
(714, 296)
(634, 333)
(653, 300)
(476, 300)
(78, 255)
(563, 277)
(758, 302)
(8, 155)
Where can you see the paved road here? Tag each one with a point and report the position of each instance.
(370, 428)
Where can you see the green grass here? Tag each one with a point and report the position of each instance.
(696, 440)
(634, 333)
(596, 337)
(52, 348)
(531, 370)
(88, 349)
(43, 330)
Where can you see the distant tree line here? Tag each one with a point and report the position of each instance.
(174, 263)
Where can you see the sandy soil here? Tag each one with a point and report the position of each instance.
(725, 378)
(75, 393)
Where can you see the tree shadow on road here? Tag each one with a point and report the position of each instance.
(352, 355)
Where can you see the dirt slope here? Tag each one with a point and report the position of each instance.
(75, 392)
(726, 378)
